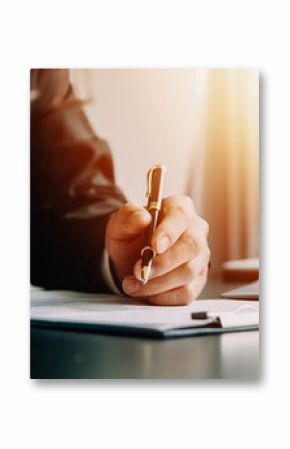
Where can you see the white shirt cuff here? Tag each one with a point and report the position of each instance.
(107, 274)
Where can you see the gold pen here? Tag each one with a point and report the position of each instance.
(155, 180)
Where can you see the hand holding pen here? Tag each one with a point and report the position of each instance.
(172, 269)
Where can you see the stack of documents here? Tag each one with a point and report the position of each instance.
(119, 315)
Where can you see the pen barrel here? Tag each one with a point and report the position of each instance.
(148, 253)
(156, 176)
(152, 226)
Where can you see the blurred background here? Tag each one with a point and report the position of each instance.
(203, 124)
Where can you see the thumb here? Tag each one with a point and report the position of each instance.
(128, 222)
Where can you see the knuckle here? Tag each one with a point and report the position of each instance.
(187, 290)
(157, 300)
(205, 225)
(189, 242)
(188, 202)
(180, 210)
(167, 203)
(180, 203)
(127, 207)
(187, 293)
(129, 210)
(186, 205)
(190, 271)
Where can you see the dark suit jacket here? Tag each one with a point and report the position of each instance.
(72, 188)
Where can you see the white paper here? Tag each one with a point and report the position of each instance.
(75, 307)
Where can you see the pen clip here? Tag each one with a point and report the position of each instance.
(150, 174)
(149, 181)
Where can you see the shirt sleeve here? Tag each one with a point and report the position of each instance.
(108, 275)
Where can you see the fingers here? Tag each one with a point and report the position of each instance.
(183, 275)
(190, 245)
(177, 212)
(128, 222)
(178, 296)
(178, 273)
(179, 269)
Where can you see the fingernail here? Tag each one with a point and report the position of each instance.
(131, 286)
(163, 244)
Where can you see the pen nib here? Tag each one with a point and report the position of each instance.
(145, 272)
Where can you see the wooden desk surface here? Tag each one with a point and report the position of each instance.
(61, 354)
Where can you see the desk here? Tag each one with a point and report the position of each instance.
(62, 354)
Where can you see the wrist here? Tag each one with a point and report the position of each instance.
(110, 276)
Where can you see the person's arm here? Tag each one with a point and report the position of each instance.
(73, 193)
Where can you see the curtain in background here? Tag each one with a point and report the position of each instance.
(224, 175)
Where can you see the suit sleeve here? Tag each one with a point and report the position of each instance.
(73, 192)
